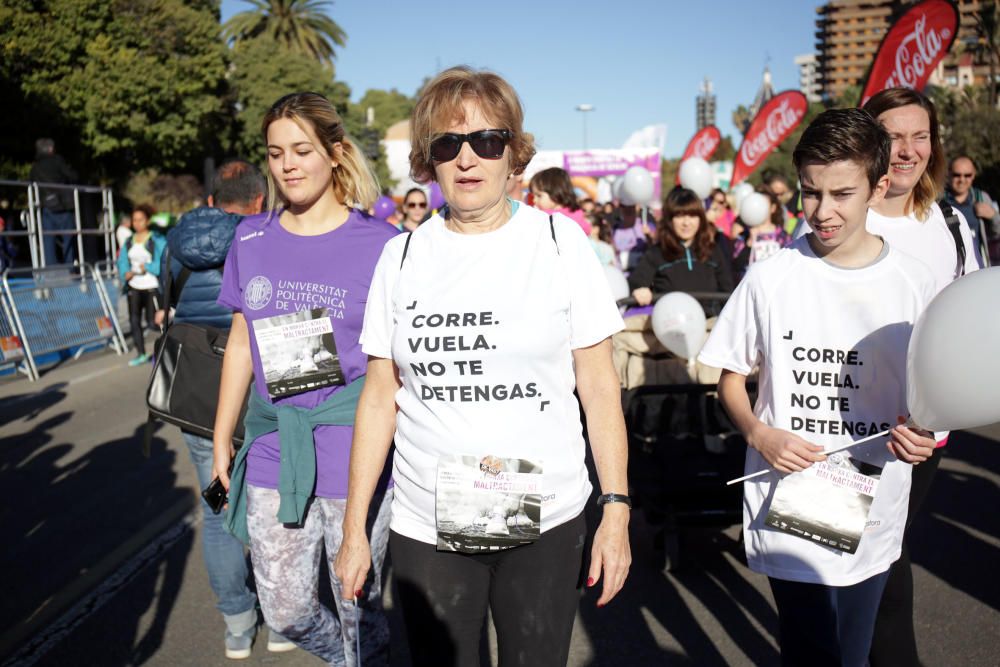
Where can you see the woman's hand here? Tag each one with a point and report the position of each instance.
(222, 456)
(784, 451)
(351, 566)
(909, 444)
(643, 296)
(129, 275)
(611, 553)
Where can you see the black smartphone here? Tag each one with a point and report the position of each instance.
(215, 495)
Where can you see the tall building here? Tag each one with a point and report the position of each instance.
(809, 77)
(849, 32)
(764, 94)
(705, 105)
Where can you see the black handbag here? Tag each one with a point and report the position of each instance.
(184, 385)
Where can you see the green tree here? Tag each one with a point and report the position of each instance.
(128, 84)
(301, 26)
(262, 72)
(988, 41)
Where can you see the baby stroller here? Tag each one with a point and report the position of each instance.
(682, 445)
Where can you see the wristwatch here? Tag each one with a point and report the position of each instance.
(613, 498)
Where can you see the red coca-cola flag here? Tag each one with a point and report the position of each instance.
(772, 125)
(702, 144)
(913, 47)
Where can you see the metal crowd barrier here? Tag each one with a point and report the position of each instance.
(32, 220)
(58, 308)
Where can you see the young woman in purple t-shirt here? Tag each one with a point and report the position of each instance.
(297, 279)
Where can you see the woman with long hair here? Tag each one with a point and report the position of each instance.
(139, 267)
(686, 257)
(297, 279)
(414, 208)
(910, 219)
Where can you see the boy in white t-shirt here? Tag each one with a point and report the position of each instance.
(826, 321)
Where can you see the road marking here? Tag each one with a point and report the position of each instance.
(42, 641)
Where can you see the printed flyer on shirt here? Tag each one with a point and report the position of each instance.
(487, 504)
(298, 352)
(827, 503)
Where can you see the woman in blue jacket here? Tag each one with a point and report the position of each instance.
(139, 267)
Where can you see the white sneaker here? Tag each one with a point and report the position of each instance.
(277, 643)
(238, 647)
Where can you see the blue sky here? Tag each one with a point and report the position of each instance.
(638, 62)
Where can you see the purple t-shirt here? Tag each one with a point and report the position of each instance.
(270, 271)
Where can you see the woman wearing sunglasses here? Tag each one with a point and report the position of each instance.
(414, 208)
(297, 279)
(479, 326)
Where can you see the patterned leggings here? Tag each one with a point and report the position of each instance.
(286, 568)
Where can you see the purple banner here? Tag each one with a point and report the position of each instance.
(610, 162)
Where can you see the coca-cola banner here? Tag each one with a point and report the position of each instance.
(702, 144)
(772, 125)
(913, 47)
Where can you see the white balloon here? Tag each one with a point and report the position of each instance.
(616, 189)
(755, 209)
(740, 192)
(637, 186)
(616, 281)
(679, 323)
(952, 365)
(696, 174)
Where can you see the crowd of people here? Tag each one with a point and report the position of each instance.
(423, 388)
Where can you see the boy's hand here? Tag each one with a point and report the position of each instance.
(784, 451)
(909, 444)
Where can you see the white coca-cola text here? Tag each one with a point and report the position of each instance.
(916, 54)
(705, 146)
(781, 121)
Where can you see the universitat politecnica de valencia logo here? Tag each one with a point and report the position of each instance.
(257, 293)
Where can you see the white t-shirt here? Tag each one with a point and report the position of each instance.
(482, 328)
(929, 241)
(138, 258)
(831, 347)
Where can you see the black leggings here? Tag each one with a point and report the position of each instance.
(895, 642)
(139, 300)
(532, 590)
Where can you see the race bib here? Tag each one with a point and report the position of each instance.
(298, 352)
(487, 504)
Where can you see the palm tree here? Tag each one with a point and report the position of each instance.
(299, 25)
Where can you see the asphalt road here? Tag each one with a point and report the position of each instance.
(102, 556)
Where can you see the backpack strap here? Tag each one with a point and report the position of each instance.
(552, 228)
(955, 227)
(406, 248)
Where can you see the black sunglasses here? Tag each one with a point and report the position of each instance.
(488, 144)
(416, 204)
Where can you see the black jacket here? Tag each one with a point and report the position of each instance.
(685, 274)
(54, 169)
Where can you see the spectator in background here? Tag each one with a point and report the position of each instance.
(124, 229)
(788, 197)
(198, 247)
(8, 251)
(414, 209)
(632, 235)
(139, 266)
(686, 257)
(760, 242)
(719, 213)
(979, 209)
(601, 240)
(553, 193)
(588, 205)
(57, 203)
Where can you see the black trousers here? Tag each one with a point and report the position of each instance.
(140, 300)
(532, 590)
(894, 643)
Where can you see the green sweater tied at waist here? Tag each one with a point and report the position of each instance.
(297, 472)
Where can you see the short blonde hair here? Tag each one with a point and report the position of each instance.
(440, 105)
(354, 182)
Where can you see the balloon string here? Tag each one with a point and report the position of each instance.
(826, 452)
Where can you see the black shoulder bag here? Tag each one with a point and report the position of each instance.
(184, 385)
